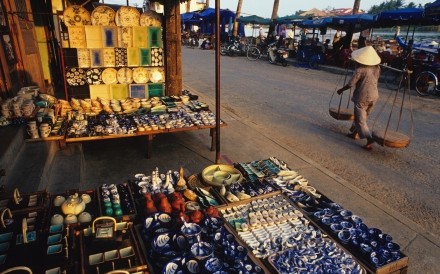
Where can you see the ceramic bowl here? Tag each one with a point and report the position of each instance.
(84, 217)
(57, 219)
(86, 198)
(70, 219)
(58, 200)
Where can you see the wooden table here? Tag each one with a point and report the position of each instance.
(149, 136)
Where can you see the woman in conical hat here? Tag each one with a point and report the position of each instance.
(365, 95)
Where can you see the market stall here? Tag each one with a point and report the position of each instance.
(257, 217)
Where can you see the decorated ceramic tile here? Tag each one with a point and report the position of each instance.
(127, 16)
(109, 37)
(140, 37)
(109, 76)
(155, 90)
(157, 57)
(75, 15)
(121, 57)
(77, 37)
(103, 16)
(132, 57)
(96, 58)
(138, 91)
(93, 76)
(75, 77)
(83, 58)
(157, 75)
(125, 37)
(144, 57)
(93, 37)
(151, 18)
(141, 75)
(154, 37)
(125, 76)
(108, 57)
(101, 91)
(119, 91)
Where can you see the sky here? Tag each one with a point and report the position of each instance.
(264, 7)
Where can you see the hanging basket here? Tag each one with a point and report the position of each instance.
(391, 139)
(341, 113)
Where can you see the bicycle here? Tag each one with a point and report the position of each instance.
(254, 52)
(427, 83)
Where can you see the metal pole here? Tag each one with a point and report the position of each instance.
(217, 81)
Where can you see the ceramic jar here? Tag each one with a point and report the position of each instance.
(45, 130)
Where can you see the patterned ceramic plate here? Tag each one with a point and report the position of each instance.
(75, 77)
(127, 17)
(103, 16)
(151, 18)
(140, 75)
(93, 76)
(125, 76)
(76, 16)
(157, 75)
(109, 76)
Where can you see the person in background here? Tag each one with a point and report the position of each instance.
(381, 48)
(365, 80)
(303, 35)
(206, 44)
(336, 37)
(362, 41)
(261, 34)
(388, 48)
(326, 44)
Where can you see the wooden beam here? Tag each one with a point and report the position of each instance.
(173, 48)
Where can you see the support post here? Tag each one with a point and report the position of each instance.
(217, 81)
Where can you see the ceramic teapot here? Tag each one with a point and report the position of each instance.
(73, 205)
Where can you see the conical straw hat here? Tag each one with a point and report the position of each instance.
(366, 56)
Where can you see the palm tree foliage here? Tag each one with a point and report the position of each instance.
(392, 5)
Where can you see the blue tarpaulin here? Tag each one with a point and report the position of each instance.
(407, 16)
(355, 22)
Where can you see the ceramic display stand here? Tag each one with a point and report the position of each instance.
(104, 253)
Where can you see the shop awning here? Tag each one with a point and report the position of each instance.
(354, 22)
(290, 19)
(254, 19)
(315, 23)
(407, 16)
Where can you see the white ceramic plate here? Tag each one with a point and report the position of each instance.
(103, 16)
(109, 76)
(127, 17)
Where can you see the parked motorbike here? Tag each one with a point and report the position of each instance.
(233, 47)
(277, 55)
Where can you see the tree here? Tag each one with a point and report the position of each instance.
(276, 4)
(237, 15)
(388, 5)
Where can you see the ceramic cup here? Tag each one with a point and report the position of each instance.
(32, 125)
(33, 134)
(45, 130)
(6, 113)
(58, 201)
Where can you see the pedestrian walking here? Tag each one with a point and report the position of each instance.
(365, 80)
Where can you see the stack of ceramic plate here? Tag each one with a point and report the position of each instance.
(76, 16)
(93, 76)
(75, 77)
(150, 18)
(127, 17)
(103, 16)
(125, 76)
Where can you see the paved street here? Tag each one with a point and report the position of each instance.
(290, 105)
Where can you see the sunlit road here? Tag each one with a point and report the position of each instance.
(292, 104)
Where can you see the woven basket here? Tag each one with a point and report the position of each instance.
(342, 113)
(392, 139)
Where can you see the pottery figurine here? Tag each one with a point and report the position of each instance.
(181, 184)
(177, 201)
(164, 205)
(149, 204)
(197, 216)
(212, 211)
